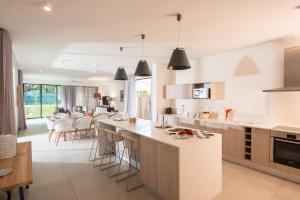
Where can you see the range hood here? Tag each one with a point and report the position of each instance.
(291, 71)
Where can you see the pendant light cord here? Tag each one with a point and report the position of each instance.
(143, 39)
(178, 16)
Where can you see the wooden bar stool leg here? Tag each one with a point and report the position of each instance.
(59, 134)
(50, 134)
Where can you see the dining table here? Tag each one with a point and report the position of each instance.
(21, 175)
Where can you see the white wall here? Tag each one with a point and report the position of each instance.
(244, 93)
(113, 90)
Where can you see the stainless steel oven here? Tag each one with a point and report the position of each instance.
(285, 148)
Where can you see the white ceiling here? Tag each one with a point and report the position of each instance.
(80, 37)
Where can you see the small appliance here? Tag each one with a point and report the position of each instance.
(201, 93)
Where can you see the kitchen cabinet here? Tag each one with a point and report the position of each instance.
(233, 141)
(183, 91)
(260, 146)
(200, 125)
(167, 172)
(148, 152)
(213, 127)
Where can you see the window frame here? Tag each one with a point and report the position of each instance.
(41, 98)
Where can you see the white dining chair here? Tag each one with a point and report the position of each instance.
(95, 121)
(63, 127)
(50, 126)
(61, 115)
(82, 124)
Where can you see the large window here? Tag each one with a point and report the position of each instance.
(40, 100)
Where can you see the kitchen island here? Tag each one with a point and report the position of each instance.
(176, 169)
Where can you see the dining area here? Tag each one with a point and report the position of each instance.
(71, 127)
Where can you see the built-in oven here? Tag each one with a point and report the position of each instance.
(285, 148)
(201, 93)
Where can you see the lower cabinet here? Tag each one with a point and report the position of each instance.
(160, 168)
(148, 161)
(199, 125)
(167, 172)
(233, 141)
(260, 146)
(213, 127)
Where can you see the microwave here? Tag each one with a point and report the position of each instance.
(201, 93)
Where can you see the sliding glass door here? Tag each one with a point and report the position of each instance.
(32, 100)
(49, 99)
(40, 100)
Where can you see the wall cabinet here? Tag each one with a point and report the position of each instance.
(233, 141)
(184, 91)
(260, 146)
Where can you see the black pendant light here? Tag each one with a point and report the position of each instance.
(143, 68)
(121, 74)
(179, 60)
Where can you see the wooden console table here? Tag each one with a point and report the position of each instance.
(21, 176)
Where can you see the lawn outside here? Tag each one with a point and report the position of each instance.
(34, 111)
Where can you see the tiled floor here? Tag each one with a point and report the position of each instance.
(63, 173)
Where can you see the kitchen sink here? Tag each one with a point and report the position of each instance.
(165, 127)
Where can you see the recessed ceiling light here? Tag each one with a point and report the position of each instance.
(47, 7)
(41, 71)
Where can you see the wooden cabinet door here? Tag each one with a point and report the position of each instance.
(214, 127)
(200, 125)
(148, 161)
(260, 146)
(167, 172)
(233, 141)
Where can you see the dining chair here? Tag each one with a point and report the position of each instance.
(63, 127)
(61, 115)
(50, 126)
(82, 124)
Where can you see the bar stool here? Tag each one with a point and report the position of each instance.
(99, 133)
(112, 138)
(131, 144)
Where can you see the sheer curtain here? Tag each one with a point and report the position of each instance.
(7, 109)
(85, 97)
(68, 97)
(130, 96)
(144, 107)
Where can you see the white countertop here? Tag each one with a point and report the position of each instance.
(146, 128)
(244, 123)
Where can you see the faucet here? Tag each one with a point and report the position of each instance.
(163, 121)
(182, 106)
